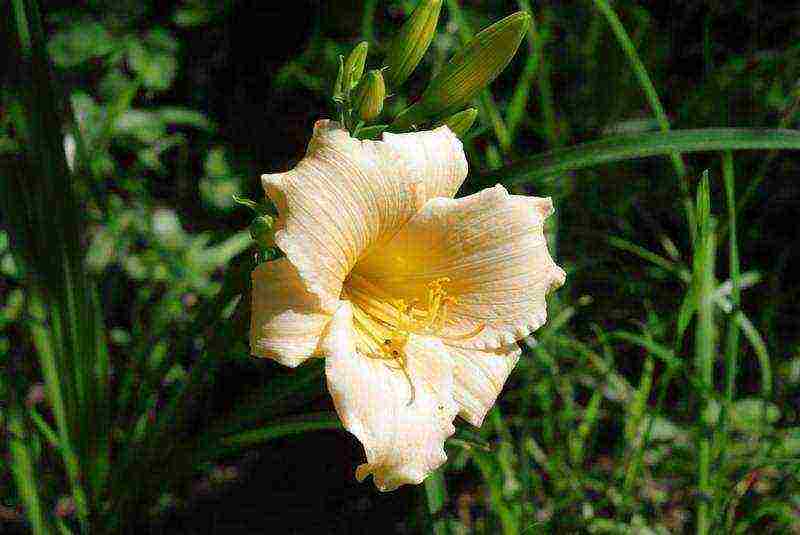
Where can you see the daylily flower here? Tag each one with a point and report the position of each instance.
(415, 299)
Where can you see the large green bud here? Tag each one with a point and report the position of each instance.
(369, 96)
(412, 41)
(469, 71)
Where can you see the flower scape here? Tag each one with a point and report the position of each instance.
(415, 299)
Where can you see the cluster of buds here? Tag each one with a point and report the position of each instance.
(360, 97)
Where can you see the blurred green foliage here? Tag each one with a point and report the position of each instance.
(602, 426)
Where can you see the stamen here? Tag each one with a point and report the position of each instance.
(466, 336)
(384, 323)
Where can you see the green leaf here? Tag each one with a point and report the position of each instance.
(23, 470)
(289, 426)
(642, 145)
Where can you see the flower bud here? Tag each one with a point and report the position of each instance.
(261, 226)
(461, 122)
(411, 42)
(261, 231)
(368, 101)
(469, 71)
(354, 66)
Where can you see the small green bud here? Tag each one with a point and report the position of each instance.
(469, 71)
(461, 122)
(261, 231)
(354, 66)
(261, 226)
(411, 42)
(370, 93)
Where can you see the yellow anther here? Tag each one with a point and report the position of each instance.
(384, 323)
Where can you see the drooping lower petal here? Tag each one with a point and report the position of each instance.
(347, 195)
(479, 378)
(287, 320)
(490, 250)
(401, 417)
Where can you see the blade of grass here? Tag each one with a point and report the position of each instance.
(278, 395)
(732, 340)
(546, 100)
(166, 446)
(518, 104)
(629, 48)
(657, 350)
(436, 498)
(760, 348)
(641, 145)
(635, 439)
(640, 71)
(667, 265)
(45, 226)
(23, 470)
(280, 429)
(703, 267)
(489, 470)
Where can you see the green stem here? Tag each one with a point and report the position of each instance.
(704, 251)
(732, 342)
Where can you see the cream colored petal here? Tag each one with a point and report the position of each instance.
(437, 160)
(287, 320)
(479, 378)
(403, 437)
(347, 195)
(492, 247)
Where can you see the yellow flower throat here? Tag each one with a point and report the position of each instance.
(384, 323)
